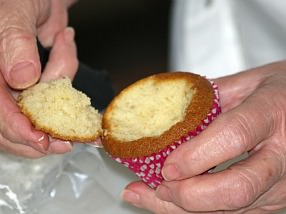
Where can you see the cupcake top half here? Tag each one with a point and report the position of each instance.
(60, 110)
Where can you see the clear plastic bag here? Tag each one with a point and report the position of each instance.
(83, 181)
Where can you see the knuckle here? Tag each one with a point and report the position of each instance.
(70, 67)
(239, 132)
(242, 194)
(186, 158)
(184, 196)
(69, 63)
(162, 209)
(13, 37)
(14, 30)
(18, 149)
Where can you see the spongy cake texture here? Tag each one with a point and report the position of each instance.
(150, 108)
(61, 111)
(154, 112)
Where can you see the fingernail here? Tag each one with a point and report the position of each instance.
(131, 197)
(69, 34)
(60, 147)
(96, 144)
(23, 75)
(42, 143)
(163, 193)
(170, 172)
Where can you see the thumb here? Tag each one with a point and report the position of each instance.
(19, 59)
(140, 195)
(230, 135)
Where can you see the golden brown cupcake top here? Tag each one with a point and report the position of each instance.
(154, 112)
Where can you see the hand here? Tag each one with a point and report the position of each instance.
(20, 23)
(253, 120)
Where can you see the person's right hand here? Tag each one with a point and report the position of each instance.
(21, 23)
(252, 121)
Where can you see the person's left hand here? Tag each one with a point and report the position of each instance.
(22, 23)
(62, 62)
(253, 120)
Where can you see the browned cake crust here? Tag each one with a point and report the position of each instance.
(61, 111)
(198, 109)
(52, 132)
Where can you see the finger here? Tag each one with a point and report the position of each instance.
(235, 188)
(140, 195)
(59, 146)
(56, 22)
(19, 149)
(229, 136)
(19, 60)
(16, 127)
(19, 130)
(63, 57)
(70, 2)
(234, 89)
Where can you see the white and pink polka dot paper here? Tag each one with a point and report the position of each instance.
(148, 168)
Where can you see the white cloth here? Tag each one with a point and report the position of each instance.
(220, 37)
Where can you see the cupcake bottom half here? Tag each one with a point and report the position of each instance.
(148, 168)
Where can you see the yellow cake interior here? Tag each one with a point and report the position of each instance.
(149, 109)
(61, 110)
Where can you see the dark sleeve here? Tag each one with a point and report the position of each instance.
(94, 83)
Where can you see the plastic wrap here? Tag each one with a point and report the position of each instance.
(83, 181)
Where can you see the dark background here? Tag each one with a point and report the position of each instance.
(127, 38)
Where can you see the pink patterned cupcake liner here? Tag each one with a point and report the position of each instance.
(148, 168)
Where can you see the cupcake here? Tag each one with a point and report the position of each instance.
(149, 119)
(60, 110)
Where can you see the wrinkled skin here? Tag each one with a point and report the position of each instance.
(21, 22)
(253, 120)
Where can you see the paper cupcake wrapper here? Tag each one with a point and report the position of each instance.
(148, 168)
